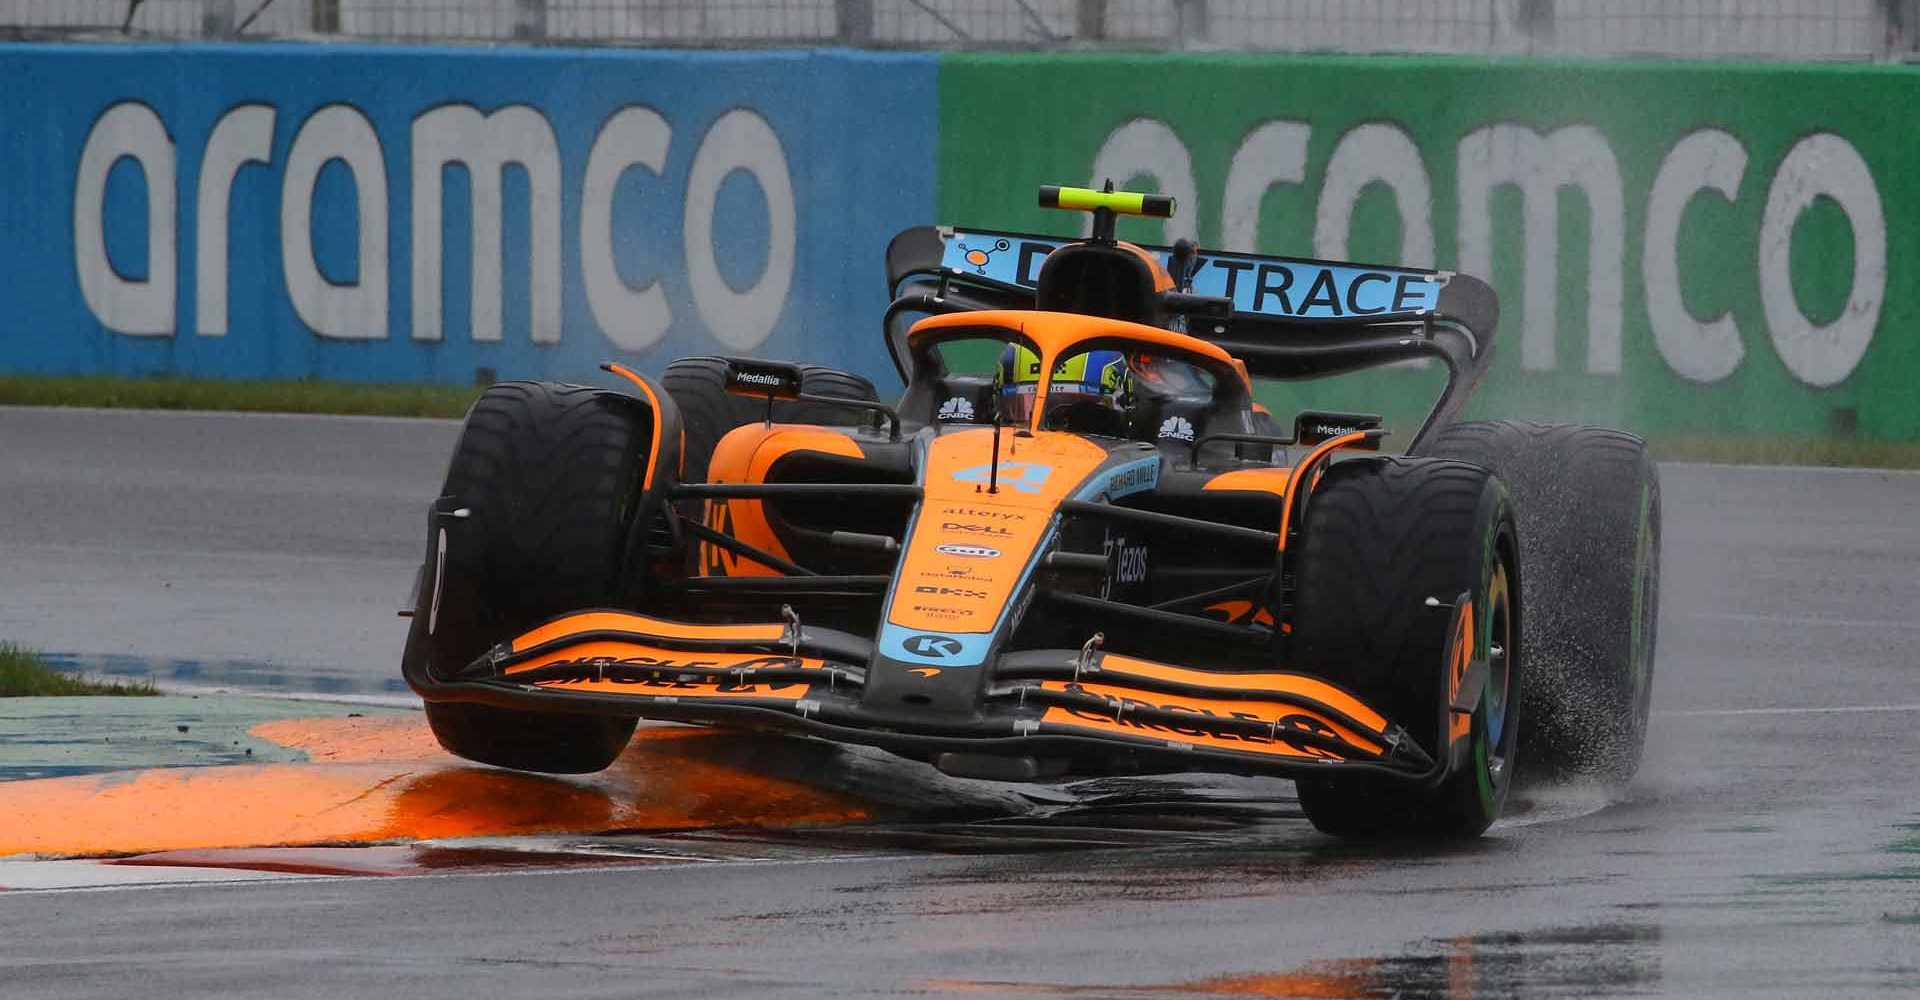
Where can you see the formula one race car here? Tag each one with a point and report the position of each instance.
(1075, 546)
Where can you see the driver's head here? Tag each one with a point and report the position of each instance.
(1089, 392)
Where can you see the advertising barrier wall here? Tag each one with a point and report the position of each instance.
(413, 215)
(1711, 248)
(1678, 248)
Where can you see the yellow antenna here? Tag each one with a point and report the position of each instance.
(1156, 206)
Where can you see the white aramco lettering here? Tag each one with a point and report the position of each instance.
(1575, 156)
(1148, 146)
(1376, 153)
(140, 307)
(355, 310)
(633, 318)
(485, 145)
(1823, 165)
(1273, 154)
(1697, 350)
(740, 140)
(243, 135)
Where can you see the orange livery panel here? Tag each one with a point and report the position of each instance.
(743, 456)
(970, 546)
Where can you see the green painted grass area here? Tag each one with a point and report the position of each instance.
(248, 396)
(23, 674)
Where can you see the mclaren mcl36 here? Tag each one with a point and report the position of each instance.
(1075, 545)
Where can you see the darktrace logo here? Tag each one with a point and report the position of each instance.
(938, 647)
(967, 551)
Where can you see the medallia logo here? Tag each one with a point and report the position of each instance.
(955, 409)
(1177, 428)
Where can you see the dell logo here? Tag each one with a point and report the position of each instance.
(937, 646)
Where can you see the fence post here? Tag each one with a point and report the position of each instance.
(1090, 20)
(1536, 19)
(1903, 27)
(530, 20)
(216, 18)
(1190, 22)
(855, 20)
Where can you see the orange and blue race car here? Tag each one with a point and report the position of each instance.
(1075, 545)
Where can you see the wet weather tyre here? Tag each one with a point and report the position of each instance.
(550, 477)
(1588, 501)
(1381, 537)
(708, 411)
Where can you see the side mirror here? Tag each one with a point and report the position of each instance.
(1314, 427)
(763, 379)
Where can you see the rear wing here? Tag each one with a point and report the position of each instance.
(1285, 317)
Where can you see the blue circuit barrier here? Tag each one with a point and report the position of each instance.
(415, 215)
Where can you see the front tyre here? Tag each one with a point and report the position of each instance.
(550, 477)
(1382, 536)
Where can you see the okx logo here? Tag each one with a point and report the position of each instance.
(938, 647)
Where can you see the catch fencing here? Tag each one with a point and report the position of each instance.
(1790, 29)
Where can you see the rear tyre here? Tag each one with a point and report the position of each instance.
(1383, 535)
(1588, 500)
(551, 478)
(708, 411)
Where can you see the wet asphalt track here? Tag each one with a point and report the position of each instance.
(1770, 847)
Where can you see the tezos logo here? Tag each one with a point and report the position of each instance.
(967, 551)
(1177, 428)
(938, 647)
(957, 408)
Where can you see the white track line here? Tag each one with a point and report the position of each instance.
(1760, 466)
(130, 411)
(1809, 710)
(1730, 616)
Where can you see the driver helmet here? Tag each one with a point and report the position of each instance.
(1091, 381)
